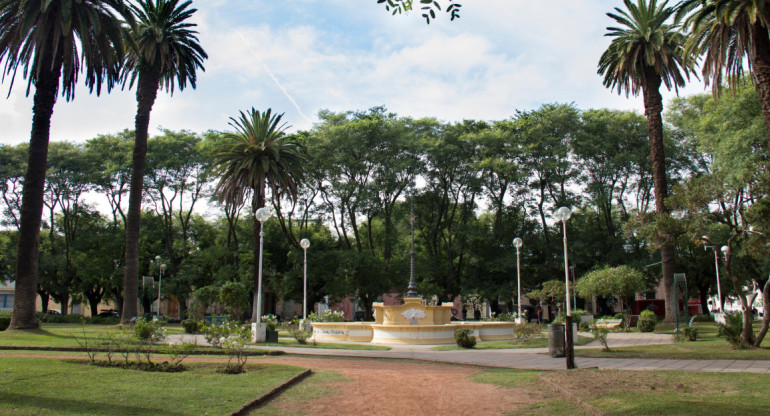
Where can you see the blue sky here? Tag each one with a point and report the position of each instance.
(302, 56)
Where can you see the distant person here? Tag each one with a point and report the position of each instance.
(477, 314)
(539, 315)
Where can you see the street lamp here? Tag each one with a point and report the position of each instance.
(262, 215)
(304, 243)
(716, 266)
(161, 269)
(563, 214)
(517, 242)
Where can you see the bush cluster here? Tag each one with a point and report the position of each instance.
(464, 339)
(647, 321)
(5, 320)
(326, 316)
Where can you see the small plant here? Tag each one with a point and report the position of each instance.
(152, 331)
(86, 344)
(732, 328)
(625, 323)
(271, 322)
(192, 326)
(691, 333)
(600, 334)
(235, 342)
(525, 332)
(464, 339)
(326, 316)
(177, 353)
(647, 321)
(297, 330)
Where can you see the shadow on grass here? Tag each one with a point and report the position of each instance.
(22, 402)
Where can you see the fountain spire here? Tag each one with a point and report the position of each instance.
(412, 289)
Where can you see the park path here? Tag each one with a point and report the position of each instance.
(538, 358)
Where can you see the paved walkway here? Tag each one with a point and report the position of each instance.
(536, 358)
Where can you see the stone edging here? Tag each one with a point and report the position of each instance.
(246, 408)
(571, 397)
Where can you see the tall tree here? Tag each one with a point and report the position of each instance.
(645, 52)
(162, 51)
(730, 33)
(53, 41)
(256, 156)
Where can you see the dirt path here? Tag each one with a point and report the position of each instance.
(389, 387)
(383, 387)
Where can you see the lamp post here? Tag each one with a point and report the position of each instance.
(304, 243)
(716, 266)
(262, 215)
(563, 214)
(517, 242)
(161, 269)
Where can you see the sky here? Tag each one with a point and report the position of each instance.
(298, 57)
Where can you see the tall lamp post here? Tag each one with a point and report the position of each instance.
(262, 215)
(716, 266)
(518, 243)
(304, 243)
(161, 269)
(563, 214)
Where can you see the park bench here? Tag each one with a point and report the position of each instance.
(607, 323)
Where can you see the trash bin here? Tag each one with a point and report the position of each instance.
(556, 340)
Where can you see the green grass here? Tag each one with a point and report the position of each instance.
(62, 335)
(618, 392)
(709, 346)
(536, 342)
(43, 386)
(291, 342)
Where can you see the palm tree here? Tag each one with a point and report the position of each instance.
(259, 154)
(53, 41)
(162, 50)
(726, 32)
(646, 51)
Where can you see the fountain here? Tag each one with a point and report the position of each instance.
(410, 323)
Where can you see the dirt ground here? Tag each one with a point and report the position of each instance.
(384, 387)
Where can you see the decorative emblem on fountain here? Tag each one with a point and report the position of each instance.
(413, 313)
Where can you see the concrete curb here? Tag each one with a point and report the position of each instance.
(259, 401)
(571, 397)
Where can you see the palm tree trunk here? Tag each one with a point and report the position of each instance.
(46, 88)
(761, 70)
(653, 107)
(147, 90)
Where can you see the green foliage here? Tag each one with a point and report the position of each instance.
(236, 338)
(552, 291)
(600, 334)
(5, 319)
(271, 322)
(192, 326)
(235, 297)
(647, 321)
(525, 332)
(621, 281)
(731, 329)
(298, 331)
(326, 316)
(152, 331)
(464, 339)
(691, 333)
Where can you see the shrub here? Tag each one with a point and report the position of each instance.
(5, 320)
(703, 318)
(271, 322)
(464, 339)
(523, 332)
(152, 331)
(601, 335)
(732, 327)
(691, 333)
(647, 321)
(326, 316)
(104, 320)
(509, 316)
(192, 326)
(235, 341)
(296, 330)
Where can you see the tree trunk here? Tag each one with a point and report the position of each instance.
(761, 70)
(46, 88)
(147, 90)
(653, 107)
(766, 315)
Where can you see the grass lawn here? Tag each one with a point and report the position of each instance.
(62, 335)
(709, 346)
(43, 386)
(536, 342)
